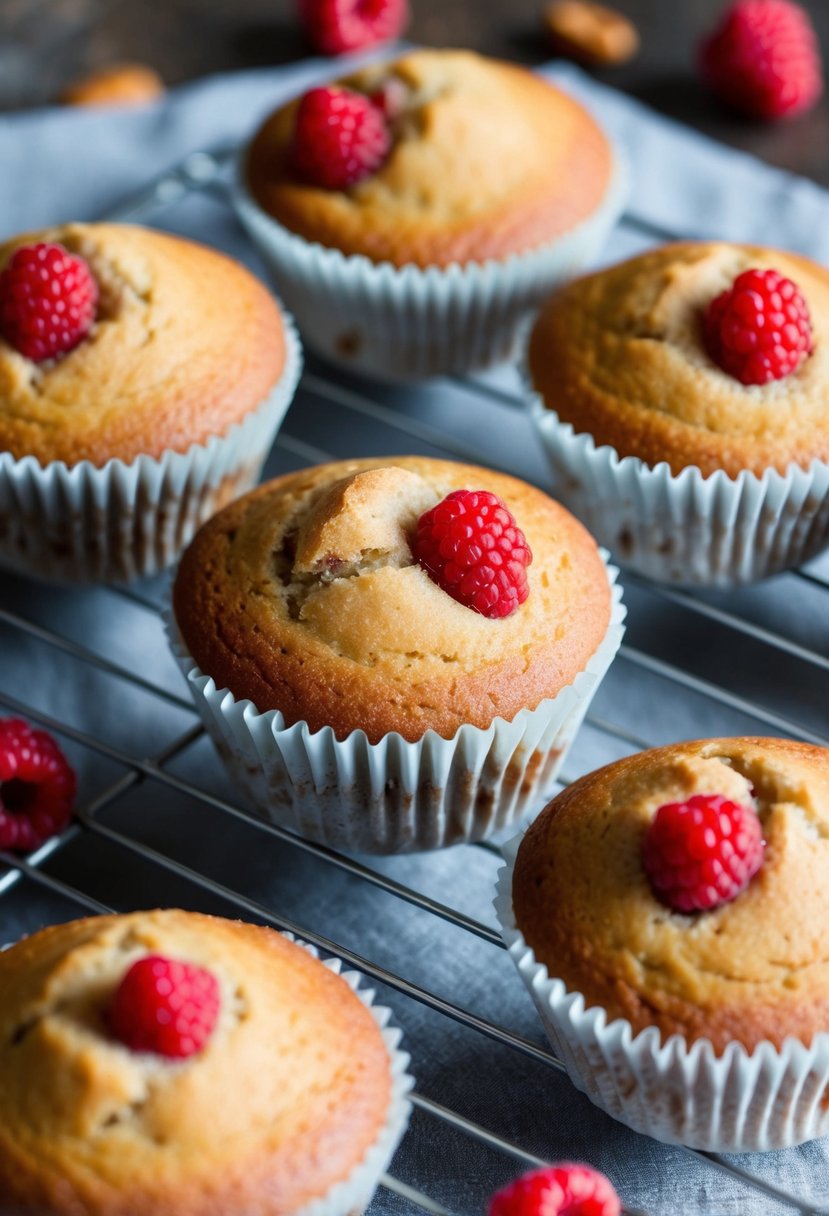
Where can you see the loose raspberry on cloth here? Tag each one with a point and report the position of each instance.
(37, 787)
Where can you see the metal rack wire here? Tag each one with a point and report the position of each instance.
(423, 421)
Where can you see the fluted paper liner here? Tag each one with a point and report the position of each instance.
(83, 524)
(394, 796)
(351, 1196)
(677, 1092)
(684, 528)
(410, 322)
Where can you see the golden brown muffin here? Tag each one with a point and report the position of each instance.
(304, 596)
(488, 160)
(620, 355)
(120, 84)
(289, 1093)
(752, 970)
(186, 343)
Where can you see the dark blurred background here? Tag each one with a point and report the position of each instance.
(46, 43)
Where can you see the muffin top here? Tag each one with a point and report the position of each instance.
(621, 355)
(185, 343)
(285, 1099)
(487, 160)
(750, 970)
(304, 596)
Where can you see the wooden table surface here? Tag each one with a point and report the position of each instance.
(44, 43)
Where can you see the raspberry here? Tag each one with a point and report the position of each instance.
(335, 26)
(340, 138)
(470, 545)
(561, 1190)
(702, 853)
(760, 329)
(763, 59)
(164, 1006)
(47, 301)
(37, 787)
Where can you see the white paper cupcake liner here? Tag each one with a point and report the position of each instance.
(678, 1093)
(351, 1196)
(394, 796)
(82, 524)
(411, 323)
(684, 528)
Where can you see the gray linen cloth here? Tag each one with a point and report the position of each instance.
(61, 164)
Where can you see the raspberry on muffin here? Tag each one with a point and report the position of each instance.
(48, 299)
(340, 138)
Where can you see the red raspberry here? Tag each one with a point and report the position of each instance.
(561, 1190)
(335, 26)
(760, 329)
(702, 853)
(37, 787)
(470, 545)
(164, 1006)
(47, 301)
(763, 59)
(340, 138)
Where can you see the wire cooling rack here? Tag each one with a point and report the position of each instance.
(158, 823)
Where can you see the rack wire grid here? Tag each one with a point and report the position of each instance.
(158, 823)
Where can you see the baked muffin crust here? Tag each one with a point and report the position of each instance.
(187, 343)
(488, 160)
(620, 355)
(752, 970)
(284, 1101)
(304, 597)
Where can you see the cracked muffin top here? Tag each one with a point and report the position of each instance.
(621, 355)
(290, 1091)
(185, 343)
(487, 160)
(750, 970)
(305, 597)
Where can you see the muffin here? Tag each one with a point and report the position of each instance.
(119, 84)
(149, 402)
(103, 1112)
(354, 698)
(667, 913)
(681, 399)
(462, 190)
